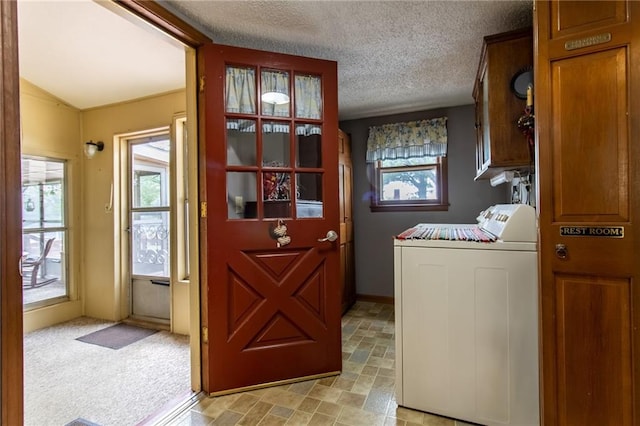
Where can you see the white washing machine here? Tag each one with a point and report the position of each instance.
(466, 306)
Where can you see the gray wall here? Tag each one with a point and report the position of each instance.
(374, 232)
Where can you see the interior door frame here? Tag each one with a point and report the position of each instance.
(11, 359)
(11, 330)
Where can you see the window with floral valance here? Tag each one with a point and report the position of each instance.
(424, 138)
(408, 161)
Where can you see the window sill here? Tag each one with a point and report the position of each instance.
(409, 207)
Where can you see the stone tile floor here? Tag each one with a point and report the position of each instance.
(362, 395)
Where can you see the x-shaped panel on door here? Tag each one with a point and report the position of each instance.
(275, 299)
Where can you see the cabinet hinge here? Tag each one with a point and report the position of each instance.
(202, 83)
(203, 209)
(205, 335)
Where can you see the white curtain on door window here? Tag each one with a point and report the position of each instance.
(241, 90)
(275, 81)
(308, 96)
(308, 129)
(242, 126)
(273, 127)
(425, 138)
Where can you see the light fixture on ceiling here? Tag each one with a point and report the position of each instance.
(91, 147)
(273, 97)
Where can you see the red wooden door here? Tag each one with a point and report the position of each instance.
(271, 296)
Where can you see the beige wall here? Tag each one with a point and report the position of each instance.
(51, 128)
(106, 292)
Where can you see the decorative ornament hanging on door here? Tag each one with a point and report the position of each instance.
(279, 233)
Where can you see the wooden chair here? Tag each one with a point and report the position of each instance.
(30, 267)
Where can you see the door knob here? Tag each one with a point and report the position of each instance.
(331, 236)
(561, 251)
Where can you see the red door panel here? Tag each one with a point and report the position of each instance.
(272, 303)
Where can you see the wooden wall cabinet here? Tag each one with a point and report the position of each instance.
(499, 144)
(347, 257)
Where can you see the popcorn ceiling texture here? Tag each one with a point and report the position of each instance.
(393, 56)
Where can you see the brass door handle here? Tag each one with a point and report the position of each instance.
(561, 251)
(331, 236)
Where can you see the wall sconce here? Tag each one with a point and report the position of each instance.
(91, 147)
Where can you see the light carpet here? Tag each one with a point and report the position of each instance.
(66, 379)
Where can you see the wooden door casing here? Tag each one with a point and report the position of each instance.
(11, 363)
(587, 64)
(347, 256)
(272, 312)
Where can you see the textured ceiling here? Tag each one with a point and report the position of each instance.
(393, 56)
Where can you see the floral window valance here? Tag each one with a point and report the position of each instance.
(408, 140)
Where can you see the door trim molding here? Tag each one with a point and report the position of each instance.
(161, 18)
(11, 361)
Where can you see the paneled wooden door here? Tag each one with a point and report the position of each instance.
(347, 256)
(587, 75)
(271, 295)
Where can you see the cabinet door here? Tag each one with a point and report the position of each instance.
(500, 144)
(588, 62)
(481, 96)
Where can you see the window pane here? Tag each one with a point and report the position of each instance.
(276, 193)
(309, 195)
(240, 90)
(275, 93)
(277, 209)
(241, 142)
(42, 193)
(150, 174)
(241, 195)
(309, 146)
(276, 186)
(44, 251)
(414, 184)
(150, 243)
(405, 162)
(275, 144)
(43, 269)
(308, 96)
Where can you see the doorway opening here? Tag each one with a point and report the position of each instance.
(149, 226)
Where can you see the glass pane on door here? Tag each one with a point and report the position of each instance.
(240, 90)
(309, 195)
(309, 146)
(275, 93)
(276, 194)
(275, 144)
(241, 195)
(150, 174)
(150, 243)
(308, 96)
(241, 142)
